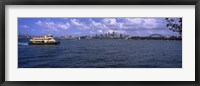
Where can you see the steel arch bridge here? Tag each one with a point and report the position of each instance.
(156, 35)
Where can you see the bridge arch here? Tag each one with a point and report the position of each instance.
(156, 35)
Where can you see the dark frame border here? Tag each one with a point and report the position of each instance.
(98, 2)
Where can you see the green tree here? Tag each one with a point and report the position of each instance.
(175, 24)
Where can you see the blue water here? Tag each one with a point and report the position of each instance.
(102, 53)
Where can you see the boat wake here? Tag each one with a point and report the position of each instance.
(20, 43)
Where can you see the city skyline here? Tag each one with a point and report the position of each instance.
(93, 26)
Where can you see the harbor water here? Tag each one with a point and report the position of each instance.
(101, 53)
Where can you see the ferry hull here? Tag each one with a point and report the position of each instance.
(53, 43)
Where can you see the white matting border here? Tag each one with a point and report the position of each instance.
(187, 73)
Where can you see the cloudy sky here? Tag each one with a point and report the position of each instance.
(92, 26)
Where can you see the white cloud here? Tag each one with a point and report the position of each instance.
(98, 25)
(141, 23)
(126, 25)
(76, 22)
(25, 26)
(100, 31)
(112, 23)
(107, 25)
(79, 24)
(92, 32)
(53, 26)
(150, 23)
(39, 22)
(77, 33)
(64, 26)
(109, 21)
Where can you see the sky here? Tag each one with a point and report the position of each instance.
(92, 26)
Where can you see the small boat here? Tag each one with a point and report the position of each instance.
(79, 38)
(43, 40)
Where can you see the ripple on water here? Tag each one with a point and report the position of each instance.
(102, 54)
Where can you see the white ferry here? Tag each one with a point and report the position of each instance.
(43, 40)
